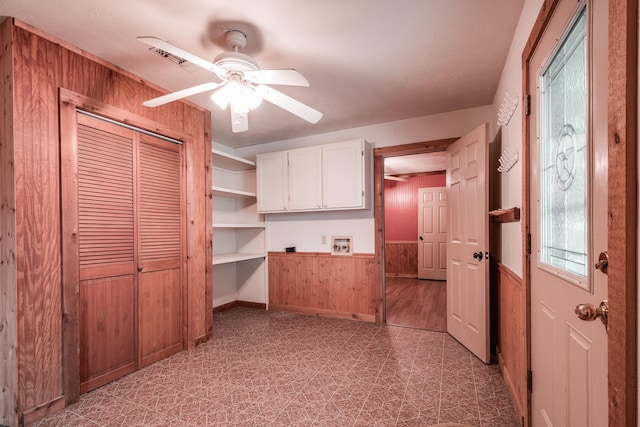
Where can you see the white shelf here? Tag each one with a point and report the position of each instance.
(251, 225)
(229, 193)
(231, 162)
(235, 257)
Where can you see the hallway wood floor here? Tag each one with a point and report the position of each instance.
(417, 303)
(265, 368)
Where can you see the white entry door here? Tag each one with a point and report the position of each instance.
(568, 225)
(432, 230)
(468, 242)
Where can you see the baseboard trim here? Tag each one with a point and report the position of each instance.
(402, 275)
(510, 385)
(39, 412)
(232, 304)
(324, 313)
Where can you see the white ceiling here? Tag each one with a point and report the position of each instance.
(415, 163)
(368, 61)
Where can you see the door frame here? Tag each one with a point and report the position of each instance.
(622, 203)
(379, 154)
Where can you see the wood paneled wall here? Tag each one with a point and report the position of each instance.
(401, 205)
(512, 336)
(8, 291)
(42, 65)
(401, 259)
(323, 284)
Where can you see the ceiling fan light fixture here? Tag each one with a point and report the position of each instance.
(240, 96)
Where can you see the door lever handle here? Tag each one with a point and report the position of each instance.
(478, 256)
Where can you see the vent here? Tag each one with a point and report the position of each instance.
(181, 62)
(171, 57)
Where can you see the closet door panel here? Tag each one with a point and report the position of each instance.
(106, 330)
(106, 252)
(160, 333)
(161, 230)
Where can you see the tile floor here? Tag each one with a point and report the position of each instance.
(274, 369)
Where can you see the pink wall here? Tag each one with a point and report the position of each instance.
(401, 206)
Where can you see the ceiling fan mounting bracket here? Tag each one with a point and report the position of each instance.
(236, 39)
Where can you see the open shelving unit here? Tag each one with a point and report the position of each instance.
(231, 193)
(238, 232)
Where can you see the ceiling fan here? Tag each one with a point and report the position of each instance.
(243, 84)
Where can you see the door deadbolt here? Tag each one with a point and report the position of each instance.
(603, 262)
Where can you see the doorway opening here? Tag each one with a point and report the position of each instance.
(399, 286)
(415, 240)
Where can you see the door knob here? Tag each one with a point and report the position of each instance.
(478, 256)
(421, 238)
(603, 262)
(140, 268)
(590, 312)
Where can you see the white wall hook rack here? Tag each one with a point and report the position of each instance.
(507, 108)
(508, 159)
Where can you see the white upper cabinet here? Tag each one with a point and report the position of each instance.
(326, 177)
(305, 178)
(343, 175)
(272, 182)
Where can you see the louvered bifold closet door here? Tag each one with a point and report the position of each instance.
(161, 228)
(106, 193)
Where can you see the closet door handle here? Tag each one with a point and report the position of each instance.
(140, 268)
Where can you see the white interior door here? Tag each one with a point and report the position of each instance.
(568, 225)
(468, 242)
(432, 230)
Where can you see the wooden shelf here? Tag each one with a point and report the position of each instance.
(505, 215)
(235, 257)
(248, 225)
(229, 193)
(231, 162)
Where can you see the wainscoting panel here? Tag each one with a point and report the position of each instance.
(323, 284)
(512, 345)
(401, 259)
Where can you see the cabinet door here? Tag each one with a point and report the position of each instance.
(343, 175)
(305, 178)
(272, 182)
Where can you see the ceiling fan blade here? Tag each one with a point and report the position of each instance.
(291, 105)
(174, 50)
(174, 96)
(239, 121)
(277, 77)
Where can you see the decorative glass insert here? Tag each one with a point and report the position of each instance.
(563, 154)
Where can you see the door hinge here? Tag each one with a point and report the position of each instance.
(528, 243)
(529, 380)
(527, 105)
